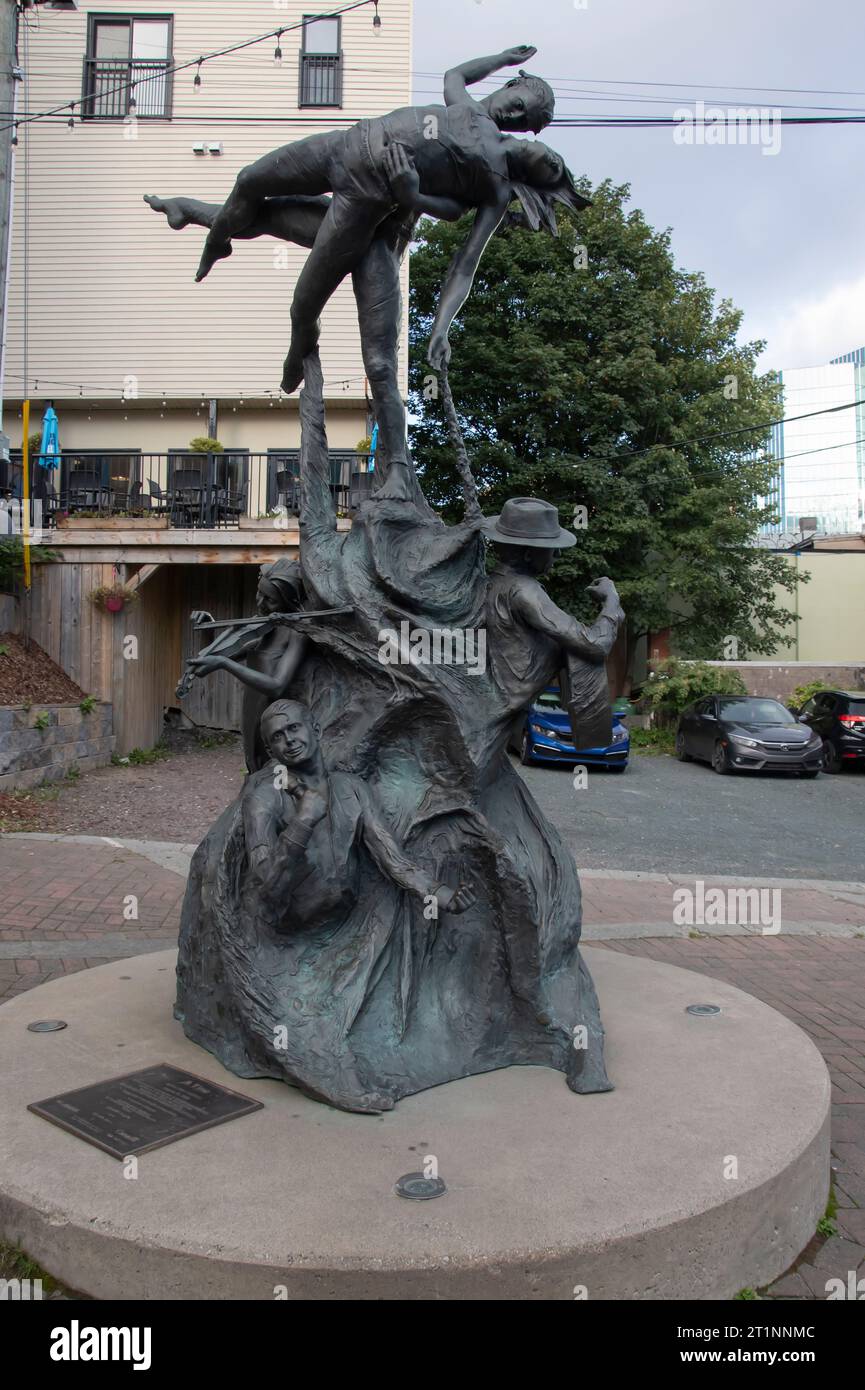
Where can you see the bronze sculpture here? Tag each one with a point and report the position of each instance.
(439, 160)
(319, 943)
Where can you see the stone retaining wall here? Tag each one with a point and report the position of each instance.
(30, 756)
(779, 679)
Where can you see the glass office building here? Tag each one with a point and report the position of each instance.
(821, 459)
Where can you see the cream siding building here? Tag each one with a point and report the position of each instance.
(108, 289)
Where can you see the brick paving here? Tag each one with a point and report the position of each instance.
(56, 893)
(819, 983)
(65, 901)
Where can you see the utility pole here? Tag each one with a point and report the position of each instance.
(9, 79)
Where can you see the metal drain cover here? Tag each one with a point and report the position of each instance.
(417, 1188)
(703, 1010)
(47, 1025)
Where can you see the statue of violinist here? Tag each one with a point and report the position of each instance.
(265, 653)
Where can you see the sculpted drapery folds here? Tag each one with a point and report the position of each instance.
(385, 908)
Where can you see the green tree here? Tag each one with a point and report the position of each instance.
(589, 387)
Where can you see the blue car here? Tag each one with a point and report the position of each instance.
(545, 737)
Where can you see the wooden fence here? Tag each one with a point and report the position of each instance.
(134, 658)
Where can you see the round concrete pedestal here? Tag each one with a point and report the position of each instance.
(705, 1171)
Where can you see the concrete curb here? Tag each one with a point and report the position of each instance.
(172, 854)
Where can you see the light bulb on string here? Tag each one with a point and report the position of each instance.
(71, 121)
(277, 56)
(376, 23)
(196, 85)
(15, 134)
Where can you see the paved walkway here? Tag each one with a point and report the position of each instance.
(70, 903)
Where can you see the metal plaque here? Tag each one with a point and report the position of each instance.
(143, 1110)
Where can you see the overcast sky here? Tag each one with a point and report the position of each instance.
(780, 234)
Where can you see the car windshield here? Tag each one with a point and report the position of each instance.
(755, 712)
(549, 699)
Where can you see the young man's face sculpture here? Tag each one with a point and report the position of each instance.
(289, 735)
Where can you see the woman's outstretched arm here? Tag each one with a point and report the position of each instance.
(476, 69)
(460, 276)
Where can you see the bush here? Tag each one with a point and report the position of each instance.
(803, 693)
(12, 561)
(140, 757)
(202, 445)
(652, 741)
(675, 684)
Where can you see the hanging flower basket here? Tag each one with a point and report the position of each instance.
(113, 598)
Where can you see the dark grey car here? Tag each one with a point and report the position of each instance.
(747, 733)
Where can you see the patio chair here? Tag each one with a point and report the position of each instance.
(288, 490)
(229, 509)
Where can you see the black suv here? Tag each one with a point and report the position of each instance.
(838, 716)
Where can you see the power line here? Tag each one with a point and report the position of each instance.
(589, 120)
(714, 86)
(781, 459)
(727, 434)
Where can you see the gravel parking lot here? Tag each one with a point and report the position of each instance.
(662, 816)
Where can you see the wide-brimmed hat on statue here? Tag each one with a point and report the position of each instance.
(528, 521)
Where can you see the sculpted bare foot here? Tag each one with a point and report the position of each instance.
(292, 373)
(173, 209)
(213, 252)
(303, 344)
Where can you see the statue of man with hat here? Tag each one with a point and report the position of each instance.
(531, 641)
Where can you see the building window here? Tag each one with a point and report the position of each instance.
(321, 63)
(126, 67)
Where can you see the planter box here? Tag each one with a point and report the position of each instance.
(267, 523)
(112, 523)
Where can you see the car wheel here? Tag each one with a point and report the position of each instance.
(720, 759)
(831, 758)
(526, 751)
(681, 754)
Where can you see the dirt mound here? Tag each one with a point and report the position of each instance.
(28, 676)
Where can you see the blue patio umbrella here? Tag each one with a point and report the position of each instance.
(49, 454)
(373, 445)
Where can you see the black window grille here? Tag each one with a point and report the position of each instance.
(126, 70)
(321, 62)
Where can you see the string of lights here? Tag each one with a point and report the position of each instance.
(130, 84)
(111, 391)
